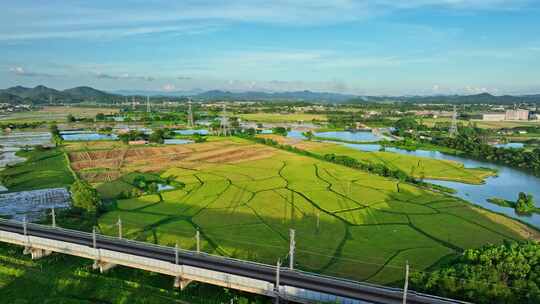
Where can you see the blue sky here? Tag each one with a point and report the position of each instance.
(379, 47)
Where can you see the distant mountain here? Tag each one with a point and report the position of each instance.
(42, 94)
(9, 98)
(483, 98)
(86, 92)
(256, 95)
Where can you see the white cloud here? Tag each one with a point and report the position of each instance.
(98, 19)
(20, 71)
(125, 76)
(168, 87)
(478, 90)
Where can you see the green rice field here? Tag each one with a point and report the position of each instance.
(419, 167)
(348, 223)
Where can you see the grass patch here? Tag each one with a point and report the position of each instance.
(42, 169)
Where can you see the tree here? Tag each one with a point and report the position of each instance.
(70, 118)
(100, 116)
(308, 135)
(279, 131)
(507, 273)
(55, 134)
(158, 136)
(84, 196)
(525, 203)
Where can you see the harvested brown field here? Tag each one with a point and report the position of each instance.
(90, 164)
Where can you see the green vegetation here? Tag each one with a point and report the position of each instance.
(524, 205)
(84, 196)
(470, 141)
(275, 117)
(419, 167)
(55, 133)
(507, 273)
(280, 131)
(44, 168)
(348, 223)
(71, 280)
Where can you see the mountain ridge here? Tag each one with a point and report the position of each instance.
(42, 94)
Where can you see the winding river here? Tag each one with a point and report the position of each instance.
(507, 184)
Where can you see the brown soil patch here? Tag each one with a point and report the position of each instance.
(152, 159)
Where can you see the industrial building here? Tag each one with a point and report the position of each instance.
(517, 114)
(508, 115)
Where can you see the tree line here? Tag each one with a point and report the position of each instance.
(507, 273)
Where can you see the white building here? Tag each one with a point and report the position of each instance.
(518, 114)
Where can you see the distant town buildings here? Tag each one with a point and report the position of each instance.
(518, 114)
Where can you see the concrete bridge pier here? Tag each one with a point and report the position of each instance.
(102, 266)
(181, 283)
(36, 253)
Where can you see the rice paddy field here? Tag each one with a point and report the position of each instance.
(419, 167)
(244, 198)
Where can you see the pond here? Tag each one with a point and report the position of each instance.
(192, 132)
(296, 134)
(87, 136)
(165, 187)
(350, 136)
(511, 145)
(177, 141)
(506, 185)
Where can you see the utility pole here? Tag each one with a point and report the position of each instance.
(94, 239)
(147, 104)
(119, 223)
(276, 287)
(190, 121)
(53, 218)
(453, 128)
(198, 237)
(406, 287)
(292, 245)
(224, 127)
(25, 228)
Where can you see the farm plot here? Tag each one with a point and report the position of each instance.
(108, 165)
(419, 167)
(348, 223)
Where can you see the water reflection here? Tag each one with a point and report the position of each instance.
(350, 136)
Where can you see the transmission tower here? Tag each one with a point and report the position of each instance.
(224, 127)
(147, 104)
(453, 128)
(190, 122)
